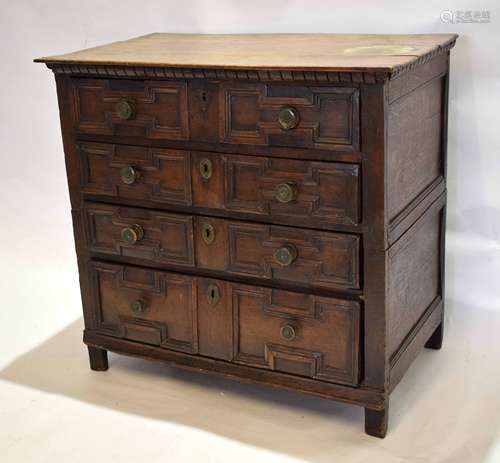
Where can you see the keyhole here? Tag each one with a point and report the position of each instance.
(204, 97)
(208, 233)
(206, 168)
(213, 294)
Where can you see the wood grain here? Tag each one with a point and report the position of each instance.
(332, 52)
(364, 171)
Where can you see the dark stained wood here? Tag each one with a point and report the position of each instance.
(376, 421)
(414, 145)
(244, 149)
(242, 113)
(436, 340)
(365, 170)
(415, 341)
(414, 275)
(366, 397)
(374, 257)
(145, 306)
(98, 358)
(407, 82)
(168, 238)
(159, 109)
(326, 333)
(328, 116)
(160, 308)
(324, 259)
(327, 194)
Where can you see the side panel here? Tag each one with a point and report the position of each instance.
(414, 267)
(416, 121)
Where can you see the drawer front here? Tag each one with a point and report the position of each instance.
(290, 115)
(145, 306)
(158, 237)
(296, 333)
(279, 330)
(281, 254)
(146, 109)
(324, 194)
(281, 115)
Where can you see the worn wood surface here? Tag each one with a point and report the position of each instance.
(263, 51)
(327, 195)
(161, 309)
(323, 259)
(354, 189)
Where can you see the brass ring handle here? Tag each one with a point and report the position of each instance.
(132, 234)
(129, 175)
(288, 332)
(206, 168)
(208, 233)
(124, 109)
(286, 192)
(213, 294)
(138, 306)
(285, 255)
(288, 118)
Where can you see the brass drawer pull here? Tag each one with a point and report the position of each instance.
(138, 306)
(213, 294)
(206, 168)
(288, 332)
(132, 234)
(288, 118)
(124, 109)
(285, 255)
(208, 233)
(286, 192)
(129, 175)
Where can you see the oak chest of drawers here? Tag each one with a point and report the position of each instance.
(265, 207)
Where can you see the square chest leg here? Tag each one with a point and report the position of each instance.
(376, 421)
(98, 359)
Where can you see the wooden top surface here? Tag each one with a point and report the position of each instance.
(321, 52)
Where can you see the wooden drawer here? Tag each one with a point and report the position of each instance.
(145, 306)
(322, 117)
(298, 333)
(155, 110)
(321, 194)
(281, 254)
(285, 331)
(286, 115)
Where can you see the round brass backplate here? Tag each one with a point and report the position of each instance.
(288, 332)
(132, 234)
(288, 118)
(285, 255)
(285, 192)
(138, 306)
(129, 175)
(124, 109)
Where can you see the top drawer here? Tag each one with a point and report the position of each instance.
(152, 110)
(286, 115)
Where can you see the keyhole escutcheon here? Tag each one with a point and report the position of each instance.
(206, 168)
(213, 294)
(208, 233)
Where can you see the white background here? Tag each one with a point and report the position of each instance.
(52, 408)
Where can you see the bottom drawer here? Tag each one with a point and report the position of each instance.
(291, 332)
